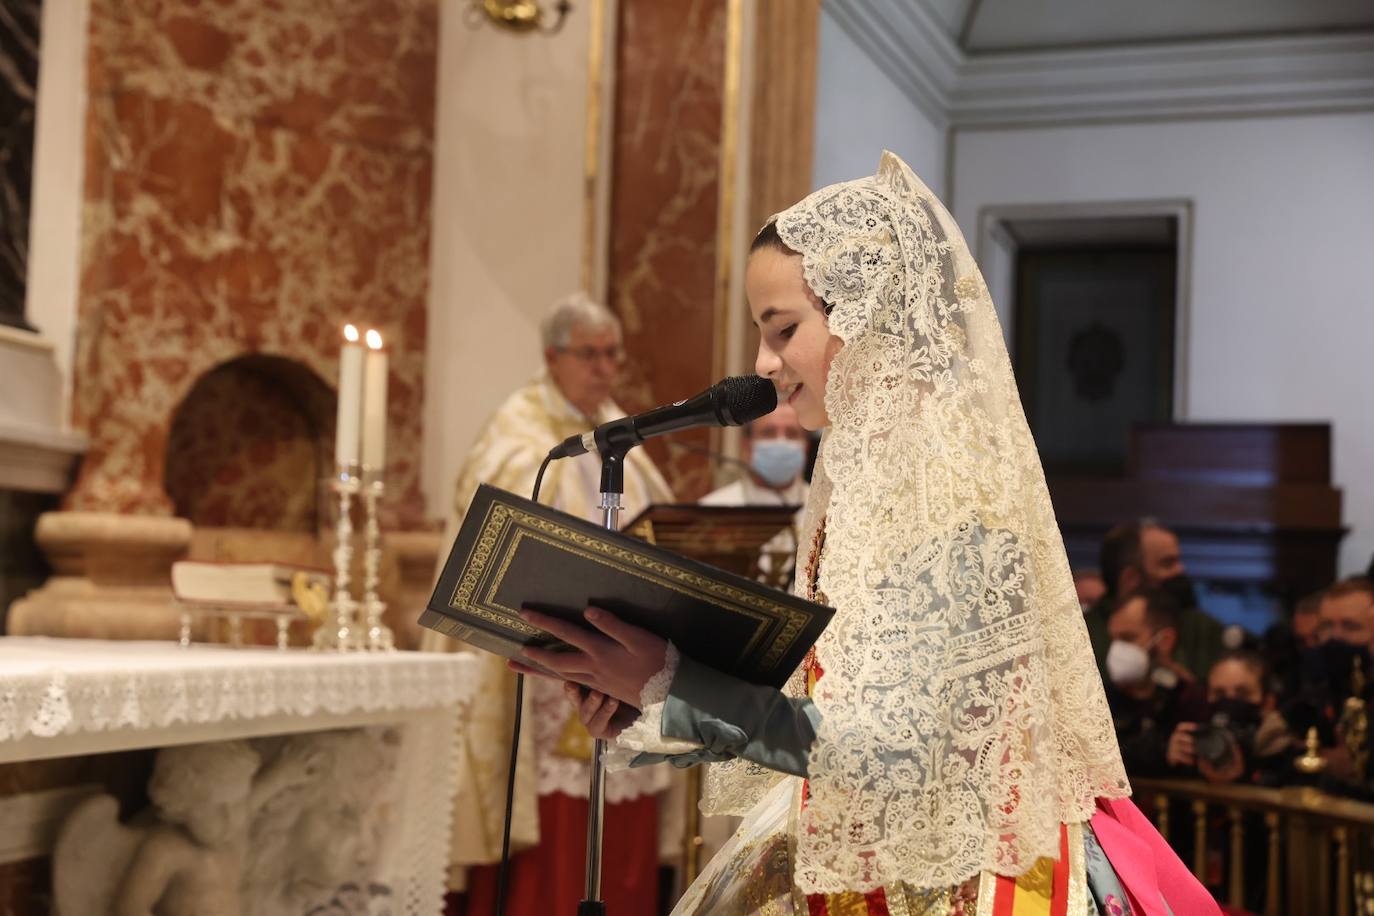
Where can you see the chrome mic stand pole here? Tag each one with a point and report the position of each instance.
(612, 486)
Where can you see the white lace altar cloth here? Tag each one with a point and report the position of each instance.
(61, 697)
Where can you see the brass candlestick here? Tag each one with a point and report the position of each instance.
(375, 635)
(1312, 762)
(340, 632)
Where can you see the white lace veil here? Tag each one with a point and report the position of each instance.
(962, 715)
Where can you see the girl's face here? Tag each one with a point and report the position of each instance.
(795, 344)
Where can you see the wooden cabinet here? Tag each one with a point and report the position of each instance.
(1252, 504)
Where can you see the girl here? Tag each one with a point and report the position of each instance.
(946, 747)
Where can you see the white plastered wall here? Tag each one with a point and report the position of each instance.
(1281, 308)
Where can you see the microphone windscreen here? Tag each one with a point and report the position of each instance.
(745, 398)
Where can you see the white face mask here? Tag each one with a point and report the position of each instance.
(778, 461)
(1127, 663)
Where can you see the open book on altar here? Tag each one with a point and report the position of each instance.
(512, 553)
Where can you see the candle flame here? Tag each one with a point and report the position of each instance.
(351, 333)
(374, 340)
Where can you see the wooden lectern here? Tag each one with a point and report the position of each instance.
(740, 539)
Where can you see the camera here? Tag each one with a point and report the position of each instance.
(1231, 727)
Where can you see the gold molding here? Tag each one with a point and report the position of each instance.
(726, 193)
(729, 177)
(591, 153)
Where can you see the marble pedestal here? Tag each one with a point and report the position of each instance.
(111, 577)
(416, 555)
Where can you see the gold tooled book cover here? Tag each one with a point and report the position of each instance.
(512, 553)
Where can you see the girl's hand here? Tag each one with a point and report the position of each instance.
(604, 717)
(618, 661)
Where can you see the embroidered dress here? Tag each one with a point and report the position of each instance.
(754, 873)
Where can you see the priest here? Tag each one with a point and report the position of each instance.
(583, 354)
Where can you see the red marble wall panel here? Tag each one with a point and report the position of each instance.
(669, 92)
(257, 174)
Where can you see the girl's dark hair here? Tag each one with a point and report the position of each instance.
(768, 238)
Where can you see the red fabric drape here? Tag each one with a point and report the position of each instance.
(547, 880)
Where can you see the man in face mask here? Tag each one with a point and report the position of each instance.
(1148, 692)
(1344, 638)
(1346, 612)
(1146, 555)
(774, 450)
(1327, 671)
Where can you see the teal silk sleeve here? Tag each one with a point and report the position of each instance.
(733, 718)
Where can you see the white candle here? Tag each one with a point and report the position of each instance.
(350, 398)
(374, 405)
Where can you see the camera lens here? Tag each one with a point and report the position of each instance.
(1214, 744)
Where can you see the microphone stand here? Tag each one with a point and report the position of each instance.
(612, 488)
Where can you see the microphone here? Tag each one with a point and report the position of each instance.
(733, 401)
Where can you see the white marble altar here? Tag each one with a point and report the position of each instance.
(344, 762)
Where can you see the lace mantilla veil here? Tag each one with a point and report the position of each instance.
(963, 715)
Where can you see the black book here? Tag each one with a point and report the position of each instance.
(512, 553)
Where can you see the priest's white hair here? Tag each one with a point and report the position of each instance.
(576, 310)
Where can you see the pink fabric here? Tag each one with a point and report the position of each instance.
(1150, 871)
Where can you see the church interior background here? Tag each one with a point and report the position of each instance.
(1171, 205)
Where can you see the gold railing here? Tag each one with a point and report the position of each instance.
(1319, 848)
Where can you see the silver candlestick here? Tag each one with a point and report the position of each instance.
(376, 635)
(341, 632)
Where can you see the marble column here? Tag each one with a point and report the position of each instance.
(684, 172)
(111, 577)
(669, 83)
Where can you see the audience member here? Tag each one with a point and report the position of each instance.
(1089, 586)
(1346, 612)
(1148, 691)
(774, 449)
(1334, 670)
(1242, 737)
(1145, 555)
(1285, 642)
(1306, 615)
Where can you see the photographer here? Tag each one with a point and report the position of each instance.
(1241, 737)
(1148, 692)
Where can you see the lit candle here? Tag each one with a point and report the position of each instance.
(374, 405)
(350, 398)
